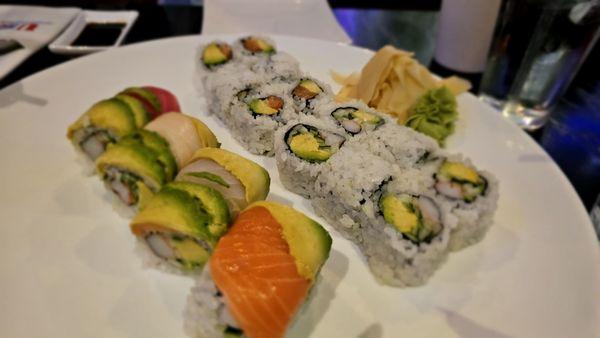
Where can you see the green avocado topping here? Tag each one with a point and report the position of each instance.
(210, 177)
(434, 114)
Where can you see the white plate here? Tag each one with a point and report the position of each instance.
(67, 261)
(62, 44)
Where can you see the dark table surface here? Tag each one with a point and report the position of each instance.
(572, 136)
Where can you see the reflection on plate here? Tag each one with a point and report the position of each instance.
(69, 268)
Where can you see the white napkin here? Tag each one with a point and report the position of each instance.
(306, 18)
(33, 27)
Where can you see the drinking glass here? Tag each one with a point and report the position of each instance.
(537, 48)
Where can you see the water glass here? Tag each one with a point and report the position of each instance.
(537, 48)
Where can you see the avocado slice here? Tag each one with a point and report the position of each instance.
(266, 106)
(459, 172)
(215, 54)
(152, 103)
(257, 45)
(307, 147)
(190, 254)
(404, 212)
(364, 117)
(309, 243)
(307, 143)
(140, 114)
(213, 204)
(253, 177)
(174, 210)
(159, 146)
(112, 115)
(134, 158)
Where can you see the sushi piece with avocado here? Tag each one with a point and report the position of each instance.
(406, 239)
(255, 45)
(473, 194)
(456, 180)
(215, 54)
(136, 167)
(309, 93)
(355, 120)
(259, 274)
(180, 226)
(239, 180)
(416, 217)
(252, 50)
(302, 147)
(257, 112)
(141, 163)
(107, 121)
(184, 134)
(354, 117)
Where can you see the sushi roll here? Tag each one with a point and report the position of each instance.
(179, 227)
(302, 147)
(239, 180)
(472, 193)
(256, 116)
(141, 163)
(259, 275)
(136, 167)
(354, 116)
(184, 134)
(104, 123)
(280, 64)
(252, 49)
(399, 145)
(228, 87)
(156, 101)
(406, 239)
(109, 120)
(309, 93)
(210, 59)
(344, 189)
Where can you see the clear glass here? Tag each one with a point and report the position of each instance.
(536, 51)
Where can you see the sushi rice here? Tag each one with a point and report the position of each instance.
(345, 184)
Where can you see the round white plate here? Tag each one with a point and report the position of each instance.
(67, 263)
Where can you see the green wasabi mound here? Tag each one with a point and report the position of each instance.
(434, 114)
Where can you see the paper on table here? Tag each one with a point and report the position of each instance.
(306, 18)
(31, 26)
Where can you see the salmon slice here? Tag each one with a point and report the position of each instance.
(254, 270)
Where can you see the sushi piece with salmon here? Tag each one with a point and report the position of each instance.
(259, 274)
(107, 121)
(139, 164)
(180, 226)
(240, 180)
